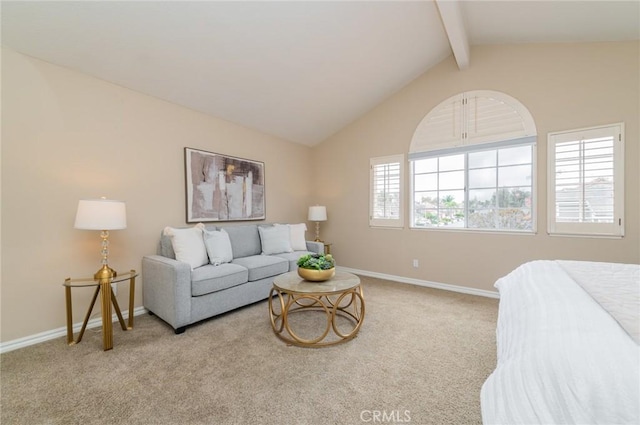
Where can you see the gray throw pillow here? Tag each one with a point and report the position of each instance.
(218, 246)
(275, 239)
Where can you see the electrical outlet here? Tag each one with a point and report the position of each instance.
(114, 288)
(416, 263)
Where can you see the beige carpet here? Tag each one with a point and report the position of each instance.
(420, 357)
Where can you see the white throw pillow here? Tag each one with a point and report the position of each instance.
(218, 246)
(297, 236)
(275, 239)
(188, 245)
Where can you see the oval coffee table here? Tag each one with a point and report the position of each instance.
(338, 297)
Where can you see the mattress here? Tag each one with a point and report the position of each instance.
(561, 357)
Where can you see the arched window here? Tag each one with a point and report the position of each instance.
(473, 165)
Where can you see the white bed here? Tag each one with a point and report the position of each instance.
(567, 341)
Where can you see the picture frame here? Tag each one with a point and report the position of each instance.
(223, 188)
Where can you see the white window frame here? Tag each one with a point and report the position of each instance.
(527, 141)
(387, 222)
(614, 229)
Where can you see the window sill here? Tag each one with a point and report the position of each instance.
(371, 226)
(578, 235)
(480, 231)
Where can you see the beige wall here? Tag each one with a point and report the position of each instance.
(58, 127)
(563, 86)
(67, 136)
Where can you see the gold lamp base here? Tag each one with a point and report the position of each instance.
(105, 272)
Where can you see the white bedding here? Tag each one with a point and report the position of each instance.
(616, 287)
(562, 359)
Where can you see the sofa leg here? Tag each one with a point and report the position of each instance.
(151, 313)
(181, 330)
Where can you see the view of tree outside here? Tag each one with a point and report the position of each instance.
(497, 193)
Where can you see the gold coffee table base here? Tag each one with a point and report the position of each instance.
(341, 296)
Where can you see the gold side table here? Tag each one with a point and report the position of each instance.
(102, 286)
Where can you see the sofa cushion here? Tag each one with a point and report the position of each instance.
(292, 258)
(188, 245)
(210, 278)
(218, 246)
(261, 266)
(245, 240)
(275, 239)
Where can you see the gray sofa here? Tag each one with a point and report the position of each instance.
(181, 295)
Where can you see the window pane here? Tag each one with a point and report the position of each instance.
(517, 155)
(451, 217)
(515, 218)
(482, 199)
(453, 162)
(482, 159)
(485, 177)
(425, 182)
(451, 199)
(451, 180)
(426, 199)
(514, 197)
(428, 165)
(518, 175)
(503, 218)
(482, 219)
(426, 217)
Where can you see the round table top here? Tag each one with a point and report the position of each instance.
(293, 283)
(91, 281)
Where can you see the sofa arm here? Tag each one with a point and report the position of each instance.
(317, 247)
(166, 289)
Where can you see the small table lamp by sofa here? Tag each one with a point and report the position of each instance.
(104, 215)
(317, 214)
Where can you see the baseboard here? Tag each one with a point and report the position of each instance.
(57, 333)
(97, 322)
(419, 282)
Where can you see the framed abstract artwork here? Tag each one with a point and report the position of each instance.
(223, 188)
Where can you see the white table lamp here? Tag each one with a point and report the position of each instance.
(104, 215)
(317, 213)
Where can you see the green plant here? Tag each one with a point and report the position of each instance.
(316, 262)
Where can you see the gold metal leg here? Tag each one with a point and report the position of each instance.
(67, 295)
(132, 291)
(116, 307)
(107, 328)
(86, 317)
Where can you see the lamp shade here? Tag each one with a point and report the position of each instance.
(101, 214)
(317, 213)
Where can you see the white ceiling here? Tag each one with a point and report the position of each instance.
(297, 70)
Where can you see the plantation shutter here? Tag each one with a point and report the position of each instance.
(585, 182)
(386, 182)
(472, 118)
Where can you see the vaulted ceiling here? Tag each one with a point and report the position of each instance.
(298, 70)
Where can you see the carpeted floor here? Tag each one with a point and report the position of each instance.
(421, 357)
